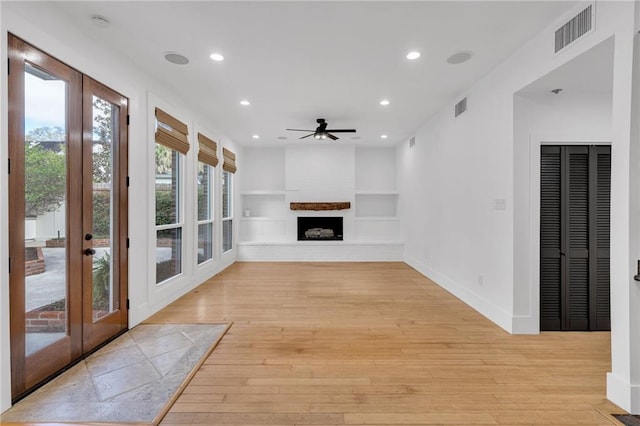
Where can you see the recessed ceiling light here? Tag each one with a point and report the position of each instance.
(460, 57)
(245, 102)
(384, 102)
(100, 21)
(413, 55)
(217, 57)
(256, 136)
(176, 58)
(383, 136)
(282, 138)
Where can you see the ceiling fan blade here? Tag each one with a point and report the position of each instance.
(341, 130)
(310, 134)
(301, 130)
(332, 137)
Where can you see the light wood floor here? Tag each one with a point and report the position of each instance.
(376, 343)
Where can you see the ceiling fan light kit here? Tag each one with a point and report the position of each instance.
(321, 132)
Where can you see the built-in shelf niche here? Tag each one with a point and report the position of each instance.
(263, 204)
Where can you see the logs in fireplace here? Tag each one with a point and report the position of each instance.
(319, 228)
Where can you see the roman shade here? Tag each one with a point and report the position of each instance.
(229, 163)
(208, 152)
(171, 132)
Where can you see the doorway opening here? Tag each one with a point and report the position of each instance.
(579, 113)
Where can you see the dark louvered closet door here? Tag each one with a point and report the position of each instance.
(550, 259)
(574, 237)
(601, 319)
(577, 238)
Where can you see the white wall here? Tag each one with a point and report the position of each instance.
(567, 118)
(43, 26)
(460, 167)
(623, 383)
(317, 169)
(375, 169)
(264, 169)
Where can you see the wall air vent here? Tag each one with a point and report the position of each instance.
(581, 24)
(461, 107)
(412, 141)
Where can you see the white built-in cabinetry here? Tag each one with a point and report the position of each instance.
(274, 177)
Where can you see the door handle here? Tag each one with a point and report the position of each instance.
(89, 252)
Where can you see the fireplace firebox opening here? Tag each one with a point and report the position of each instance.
(319, 228)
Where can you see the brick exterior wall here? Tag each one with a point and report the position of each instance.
(45, 321)
(34, 267)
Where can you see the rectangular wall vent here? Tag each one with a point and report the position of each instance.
(574, 29)
(461, 107)
(412, 141)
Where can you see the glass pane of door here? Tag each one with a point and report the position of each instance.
(105, 134)
(45, 187)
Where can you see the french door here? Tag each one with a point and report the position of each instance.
(67, 214)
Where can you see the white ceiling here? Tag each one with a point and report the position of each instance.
(297, 61)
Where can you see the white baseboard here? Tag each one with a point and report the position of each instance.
(623, 393)
(525, 325)
(494, 313)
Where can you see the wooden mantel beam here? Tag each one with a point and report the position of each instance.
(321, 206)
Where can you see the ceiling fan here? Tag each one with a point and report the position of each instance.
(321, 132)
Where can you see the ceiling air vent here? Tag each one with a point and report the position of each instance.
(574, 29)
(461, 107)
(412, 141)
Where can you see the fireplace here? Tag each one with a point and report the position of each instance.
(320, 228)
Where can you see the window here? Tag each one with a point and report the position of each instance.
(205, 181)
(168, 218)
(227, 211)
(171, 146)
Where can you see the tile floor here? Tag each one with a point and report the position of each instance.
(129, 380)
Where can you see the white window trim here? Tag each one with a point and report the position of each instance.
(231, 211)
